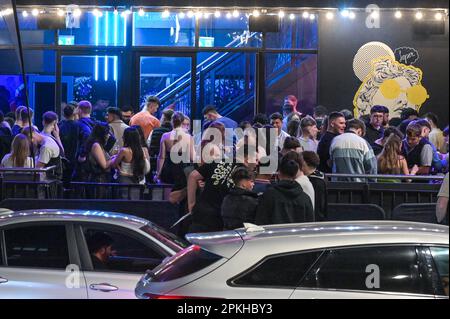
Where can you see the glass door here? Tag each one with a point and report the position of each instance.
(170, 77)
(90, 77)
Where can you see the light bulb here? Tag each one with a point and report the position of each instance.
(217, 14)
(35, 12)
(235, 13)
(419, 15)
(398, 14)
(329, 15)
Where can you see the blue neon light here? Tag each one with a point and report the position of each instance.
(125, 29)
(116, 18)
(106, 44)
(115, 68)
(96, 43)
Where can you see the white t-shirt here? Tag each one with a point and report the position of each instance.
(49, 149)
(8, 162)
(307, 187)
(308, 144)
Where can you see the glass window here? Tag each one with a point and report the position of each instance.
(156, 29)
(393, 269)
(112, 250)
(268, 273)
(440, 256)
(227, 31)
(40, 70)
(291, 74)
(37, 247)
(168, 77)
(297, 33)
(184, 263)
(92, 78)
(106, 28)
(227, 80)
(31, 34)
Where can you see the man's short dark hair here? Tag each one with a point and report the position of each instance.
(167, 115)
(311, 159)
(153, 99)
(26, 114)
(307, 121)
(320, 111)
(68, 110)
(392, 130)
(432, 117)
(288, 166)
(49, 117)
(395, 121)
(126, 108)
(260, 118)
(98, 241)
(114, 111)
(335, 115)
(377, 109)
(347, 114)
(407, 112)
(276, 116)
(239, 174)
(209, 108)
(423, 123)
(291, 143)
(356, 124)
(414, 129)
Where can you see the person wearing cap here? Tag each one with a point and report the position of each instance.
(117, 126)
(290, 110)
(145, 118)
(308, 139)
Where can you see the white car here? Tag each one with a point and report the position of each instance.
(361, 259)
(45, 254)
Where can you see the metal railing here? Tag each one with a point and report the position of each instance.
(388, 177)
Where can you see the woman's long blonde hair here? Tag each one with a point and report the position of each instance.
(20, 150)
(388, 160)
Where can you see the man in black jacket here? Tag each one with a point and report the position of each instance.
(285, 202)
(374, 128)
(239, 206)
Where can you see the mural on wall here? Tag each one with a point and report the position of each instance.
(386, 81)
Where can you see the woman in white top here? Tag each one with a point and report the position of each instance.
(20, 153)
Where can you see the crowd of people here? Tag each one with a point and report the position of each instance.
(222, 174)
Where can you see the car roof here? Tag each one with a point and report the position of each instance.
(36, 215)
(323, 234)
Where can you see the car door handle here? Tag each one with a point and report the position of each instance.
(3, 280)
(104, 287)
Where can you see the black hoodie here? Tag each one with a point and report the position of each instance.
(283, 203)
(239, 207)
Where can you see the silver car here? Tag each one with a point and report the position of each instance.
(48, 253)
(361, 259)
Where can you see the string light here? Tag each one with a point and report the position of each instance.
(24, 14)
(352, 15)
(305, 15)
(419, 15)
(198, 14)
(292, 16)
(97, 13)
(281, 14)
(60, 13)
(329, 15)
(398, 14)
(255, 13)
(217, 14)
(375, 15)
(77, 13)
(438, 16)
(165, 14)
(181, 15)
(141, 12)
(228, 15)
(312, 17)
(35, 12)
(190, 14)
(235, 13)
(116, 12)
(345, 13)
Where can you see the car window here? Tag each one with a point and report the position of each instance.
(113, 250)
(269, 274)
(440, 256)
(390, 269)
(40, 246)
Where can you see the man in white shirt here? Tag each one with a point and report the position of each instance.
(48, 149)
(276, 119)
(114, 119)
(436, 136)
(308, 139)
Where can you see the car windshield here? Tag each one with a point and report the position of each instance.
(167, 238)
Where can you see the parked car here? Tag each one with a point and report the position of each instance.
(361, 259)
(47, 253)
